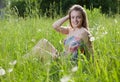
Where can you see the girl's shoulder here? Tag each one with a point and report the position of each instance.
(70, 28)
(85, 30)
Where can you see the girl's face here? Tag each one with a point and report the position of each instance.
(76, 19)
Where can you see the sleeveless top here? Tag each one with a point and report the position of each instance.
(74, 45)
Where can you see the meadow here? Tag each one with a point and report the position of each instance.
(18, 36)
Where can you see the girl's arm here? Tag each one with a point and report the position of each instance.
(87, 37)
(91, 48)
(57, 25)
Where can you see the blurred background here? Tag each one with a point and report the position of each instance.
(53, 8)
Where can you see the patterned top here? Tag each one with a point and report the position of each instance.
(74, 44)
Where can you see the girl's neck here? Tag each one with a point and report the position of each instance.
(76, 28)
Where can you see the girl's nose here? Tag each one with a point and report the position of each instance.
(75, 20)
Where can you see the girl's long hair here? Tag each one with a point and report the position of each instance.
(82, 10)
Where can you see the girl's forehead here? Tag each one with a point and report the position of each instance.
(74, 12)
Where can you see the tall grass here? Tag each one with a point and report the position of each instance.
(18, 36)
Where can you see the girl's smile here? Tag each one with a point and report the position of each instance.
(76, 19)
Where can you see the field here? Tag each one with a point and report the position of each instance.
(18, 36)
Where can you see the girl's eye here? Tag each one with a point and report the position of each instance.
(79, 17)
(72, 17)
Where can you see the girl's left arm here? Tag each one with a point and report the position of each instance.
(91, 47)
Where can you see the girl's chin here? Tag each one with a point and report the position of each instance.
(75, 26)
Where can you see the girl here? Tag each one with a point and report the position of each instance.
(77, 35)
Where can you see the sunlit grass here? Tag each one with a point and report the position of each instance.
(18, 36)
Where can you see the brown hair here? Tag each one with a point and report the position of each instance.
(82, 10)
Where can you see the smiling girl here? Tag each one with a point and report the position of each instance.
(77, 34)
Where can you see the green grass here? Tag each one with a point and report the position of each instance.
(18, 36)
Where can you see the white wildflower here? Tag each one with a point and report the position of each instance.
(115, 21)
(61, 70)
(33, 40)
(105, 32)
(9, 3)
(2, 71)
(60, 42)
(65, 79)
(39, 30)
(74, 69)
(10, 70)
(103, 27)
(92, 39)
(13, 62)
(48, 63)
(35, 59)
